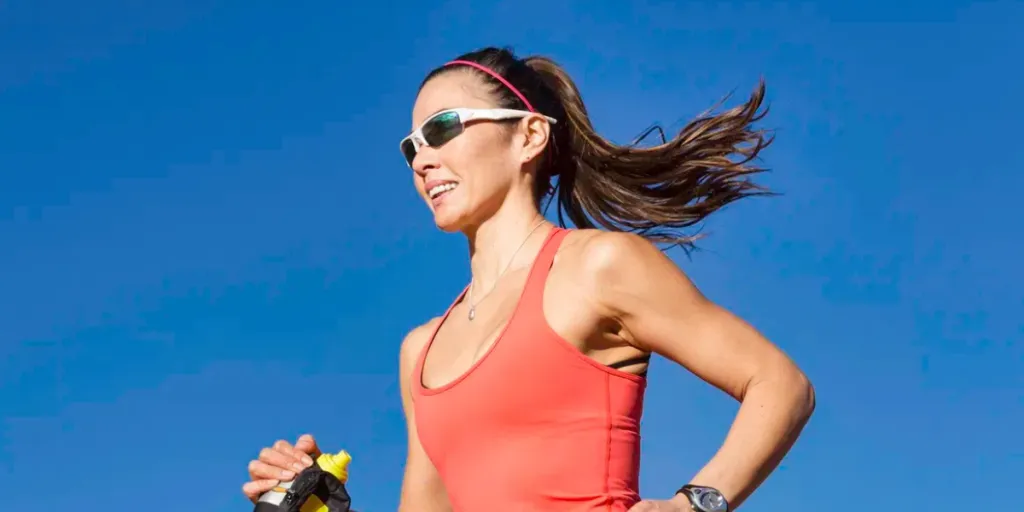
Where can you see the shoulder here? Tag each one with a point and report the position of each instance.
(414, 342)
(610, 258)
(620, 272)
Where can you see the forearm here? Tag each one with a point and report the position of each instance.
(769, 420)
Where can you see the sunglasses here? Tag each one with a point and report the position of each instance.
(448, 124)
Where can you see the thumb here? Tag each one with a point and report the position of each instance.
(307, 444)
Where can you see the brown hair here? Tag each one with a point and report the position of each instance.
(656, 191)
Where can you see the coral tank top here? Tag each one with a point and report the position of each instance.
(535, 425)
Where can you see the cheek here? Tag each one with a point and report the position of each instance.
(462, 156)
(481, 155)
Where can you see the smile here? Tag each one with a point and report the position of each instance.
(437, 190)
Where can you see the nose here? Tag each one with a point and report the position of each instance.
(426, 160)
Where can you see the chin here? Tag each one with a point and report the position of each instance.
(448, 224)
(451, 219)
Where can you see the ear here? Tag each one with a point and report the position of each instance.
(536, 133)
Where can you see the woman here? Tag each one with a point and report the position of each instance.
(527, 393)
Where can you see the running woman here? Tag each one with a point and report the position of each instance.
(527, 393)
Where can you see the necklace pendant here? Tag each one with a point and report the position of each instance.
(472, 313)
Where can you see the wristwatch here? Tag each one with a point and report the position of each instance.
(704, 499)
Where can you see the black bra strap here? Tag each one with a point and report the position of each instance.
(646, 358)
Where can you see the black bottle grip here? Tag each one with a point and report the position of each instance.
(313, 481)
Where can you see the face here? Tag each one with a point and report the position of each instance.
(466, 179)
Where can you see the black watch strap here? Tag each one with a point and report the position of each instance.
(685, 491)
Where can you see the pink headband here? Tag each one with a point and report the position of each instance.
(498, 77)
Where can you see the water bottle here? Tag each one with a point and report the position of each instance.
(318, 488)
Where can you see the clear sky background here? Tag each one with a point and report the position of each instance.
(209, 240)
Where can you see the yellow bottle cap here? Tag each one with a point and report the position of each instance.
(335, 464)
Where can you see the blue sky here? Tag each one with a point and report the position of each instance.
(208, 238)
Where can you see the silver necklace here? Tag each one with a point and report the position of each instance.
(472, 306)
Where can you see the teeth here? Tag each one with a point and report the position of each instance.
(436, 191)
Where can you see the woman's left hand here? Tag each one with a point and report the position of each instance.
(660, 506)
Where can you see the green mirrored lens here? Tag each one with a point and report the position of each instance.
(441, 129)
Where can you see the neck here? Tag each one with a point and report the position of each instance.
(512, 232)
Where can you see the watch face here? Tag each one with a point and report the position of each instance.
(709, 500)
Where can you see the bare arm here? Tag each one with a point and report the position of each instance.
(422, 489)
(661, 311)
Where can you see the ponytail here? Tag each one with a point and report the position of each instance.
(656, 192)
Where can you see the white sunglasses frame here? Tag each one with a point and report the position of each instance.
(465, 116)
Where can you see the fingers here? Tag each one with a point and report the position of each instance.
(255, 488)
(306, 444)
(294, 455)
(259, 470)
(279, 463)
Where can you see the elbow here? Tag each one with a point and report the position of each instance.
(787, 388)
(802, 392)
(792, 392)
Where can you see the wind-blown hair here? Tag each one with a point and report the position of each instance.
(656, 192)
